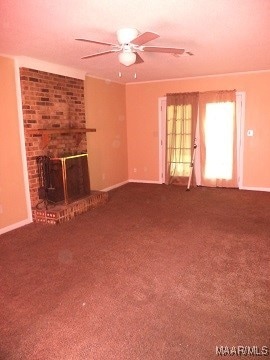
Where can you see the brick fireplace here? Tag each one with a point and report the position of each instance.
(53, 112)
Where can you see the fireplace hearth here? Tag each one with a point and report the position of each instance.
(55, 214)
(64, 189)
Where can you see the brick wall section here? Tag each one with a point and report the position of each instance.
(50, 101)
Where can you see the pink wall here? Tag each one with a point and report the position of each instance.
(105, 107)
(142, 119)
(13, 202)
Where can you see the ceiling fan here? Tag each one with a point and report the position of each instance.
(130, 42)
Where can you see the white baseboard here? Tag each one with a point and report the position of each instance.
(254, 188)
(115, 186)
(15, 226)
(130, 181)
(145, 181)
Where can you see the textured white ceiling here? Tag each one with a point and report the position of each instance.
(225, 35)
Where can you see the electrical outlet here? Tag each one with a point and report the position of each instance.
(134, 170)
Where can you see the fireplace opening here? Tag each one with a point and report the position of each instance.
(63, 179)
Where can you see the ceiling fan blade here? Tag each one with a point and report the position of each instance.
(100, 53)
(144, 38)
(96, 42)
(139, 60)
(168, 50)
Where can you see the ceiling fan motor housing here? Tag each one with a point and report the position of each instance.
(126, 35)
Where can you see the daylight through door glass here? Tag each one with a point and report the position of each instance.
(219, 128)
(179, 139)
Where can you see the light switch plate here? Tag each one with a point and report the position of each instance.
(250, 133)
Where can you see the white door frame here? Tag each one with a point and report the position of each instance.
(240, 119)
(162, 101)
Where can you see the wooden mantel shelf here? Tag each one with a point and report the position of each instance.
(46, 133)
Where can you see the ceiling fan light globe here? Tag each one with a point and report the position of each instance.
(127, 58)
(126, 35)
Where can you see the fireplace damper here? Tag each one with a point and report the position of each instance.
(69, 178)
